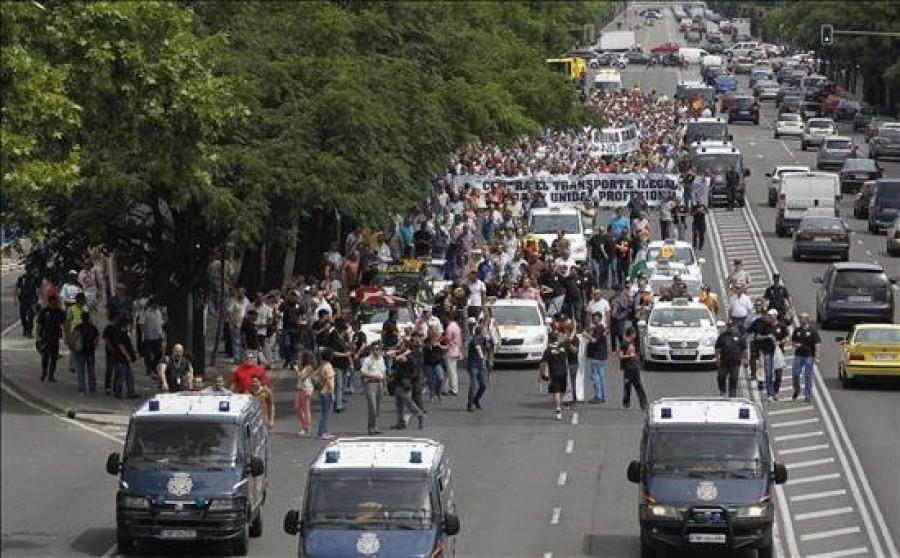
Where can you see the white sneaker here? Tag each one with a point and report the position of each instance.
(558, 414)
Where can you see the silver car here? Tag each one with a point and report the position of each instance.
(816, 130)
(834, 151)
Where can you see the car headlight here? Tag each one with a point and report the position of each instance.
(539, 338)
(708, 342)
(751, 512)
(225, 504)
(662, 510)
(136, 502)
(657, 341)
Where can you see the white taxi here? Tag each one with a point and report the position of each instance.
(546, 222)
(679, 332)
(372, 320)
(677, 253)
(522, 324)
(434, 275)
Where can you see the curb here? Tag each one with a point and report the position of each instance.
(72, 413)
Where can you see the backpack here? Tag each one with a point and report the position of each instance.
(318, 379)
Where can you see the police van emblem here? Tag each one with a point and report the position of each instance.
(180, 484)
(368, 544)
(707, 491)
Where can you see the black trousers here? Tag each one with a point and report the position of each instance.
(632, 377)
(49, 358)
(26, 316)
(728, 374)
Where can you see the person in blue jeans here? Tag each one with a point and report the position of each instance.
(326, 394)
(477, 354)
(597, 353)
(807, 351)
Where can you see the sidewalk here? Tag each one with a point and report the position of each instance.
(21, 372)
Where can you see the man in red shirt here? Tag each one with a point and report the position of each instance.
(243, 374)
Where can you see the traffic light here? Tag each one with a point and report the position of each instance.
(827, 34)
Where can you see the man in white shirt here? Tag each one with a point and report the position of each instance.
(740, 306)
(477, 288)
(237, 307)
(600, 305)
(151, 321)
(374, 376)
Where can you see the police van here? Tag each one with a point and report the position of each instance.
(718, 160)
(377, 497)
(193, 469)
(706, 476)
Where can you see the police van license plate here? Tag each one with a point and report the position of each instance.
(707, 538)
(684, 352)
(178, 534)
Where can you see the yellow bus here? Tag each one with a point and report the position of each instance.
(574, 68)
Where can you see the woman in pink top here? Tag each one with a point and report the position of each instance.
(528, 291)
(453, 341)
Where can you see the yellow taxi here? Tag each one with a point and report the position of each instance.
(869, 350)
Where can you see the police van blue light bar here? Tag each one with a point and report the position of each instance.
(332, 456)
(153, 405)
(665, 412)
(415, 456)
(224, 406)
(744, 413)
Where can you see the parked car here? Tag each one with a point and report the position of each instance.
(854, 292)
(834, 151)
(861, 201)
(857, 171)
(636, 57)
(788, 124)
(884, 204)
(893, 238)
(821, 236)
(886, 143)
(816, 130)
(743, 109)
(862, 117)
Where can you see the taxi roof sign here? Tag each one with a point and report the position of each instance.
(699, 410)
(380, 453)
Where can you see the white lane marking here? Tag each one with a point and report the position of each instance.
(575, 419)
(563, 478)
(6, 331)
(787, 437)
(818, 495)
(823, 513)
(786, 148)
(794, 423)
(810, 463)
(111, 552)
(548, 555)
(570, 446)
(831, 533)
(841, 553)
(817, 478)
(791, 410)
(554, 517)
(804, 449)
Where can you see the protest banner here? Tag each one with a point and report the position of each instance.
(609, 190)
(614, 141)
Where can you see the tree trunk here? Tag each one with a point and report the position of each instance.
(290, 256)
(220, 315)
(180, 328)
(198, 338)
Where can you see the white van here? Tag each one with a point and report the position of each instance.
(806, 193)
(692, 55)
(608, 81)
(545, 222)
(711, 60)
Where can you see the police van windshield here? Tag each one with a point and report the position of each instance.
(343, 501)
(171, 444)
(703, 453)
(719, 163)
(679, 317)
(706, 130)
(550, 224)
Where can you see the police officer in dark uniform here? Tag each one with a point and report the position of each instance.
(731, 353)
(732, 180)
(778, 297)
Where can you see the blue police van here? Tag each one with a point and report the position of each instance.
(193, 469)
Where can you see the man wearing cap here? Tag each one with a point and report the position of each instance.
(731, 353)
(778, 297)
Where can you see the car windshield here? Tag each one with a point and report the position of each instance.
(821, 224)
(860, 165)
(859, 279)
(369, 501)
(845, 145)
(550, 223)
(743, 102)
(702, 453)
(819, 124)
(680, 254)
(709, 130)
(517, 315)
(680, 317)
(892, 134)
(706, 93)
(379, 316)
(790, 117)
(887, 335)
(172, 444)
(888, 190)
(717, 162)
(791, 101)
(434, 272)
